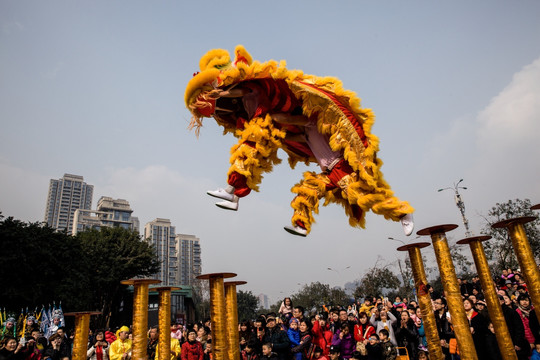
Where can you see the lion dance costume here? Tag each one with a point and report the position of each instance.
(353, 179)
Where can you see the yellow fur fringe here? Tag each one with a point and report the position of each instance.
(250, 161)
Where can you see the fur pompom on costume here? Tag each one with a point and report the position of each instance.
(248, 93)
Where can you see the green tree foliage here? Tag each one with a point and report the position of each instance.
(247, 305)
(40, 265)
(406, 289)
(499, 250)
(378, 280)
(316, 294)
(113, 255)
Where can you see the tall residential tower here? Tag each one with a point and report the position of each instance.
(65, 196)
(109, 213)
(161, 234)
(189, 253)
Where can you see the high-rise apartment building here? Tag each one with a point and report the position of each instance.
(263, 301)
(161, 234)
(65, 196)
(109, 213)
(189, 255)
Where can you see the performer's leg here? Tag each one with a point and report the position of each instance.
(255, 153)
(309, 191)
(361, 198)
(236, 189)
(380, 200)
(394, 209)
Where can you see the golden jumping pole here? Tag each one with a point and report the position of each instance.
(496, 315)
(231, 303)
(140, 315)
(424, 298)
(164, 321)
(218, 314)
(82, 327)
(451, 288)
(524, 255)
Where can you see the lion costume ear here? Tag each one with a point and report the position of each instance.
(241, 55)
(216, 59)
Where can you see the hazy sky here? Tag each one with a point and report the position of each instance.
(96, 89)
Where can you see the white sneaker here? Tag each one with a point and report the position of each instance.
(296, 230)
(225, 194)
(229, 205)
(407, 223)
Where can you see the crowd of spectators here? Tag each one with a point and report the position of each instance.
(376, 328)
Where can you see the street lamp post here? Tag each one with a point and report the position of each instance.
(460, 204)
(401, 241)
(329, 268)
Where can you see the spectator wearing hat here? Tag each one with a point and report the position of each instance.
(277, 337)
(334, 353)
(120, 349)
(481, 309)
(9, 328)
(31, 325)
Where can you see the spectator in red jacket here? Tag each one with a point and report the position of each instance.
(192, 349)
